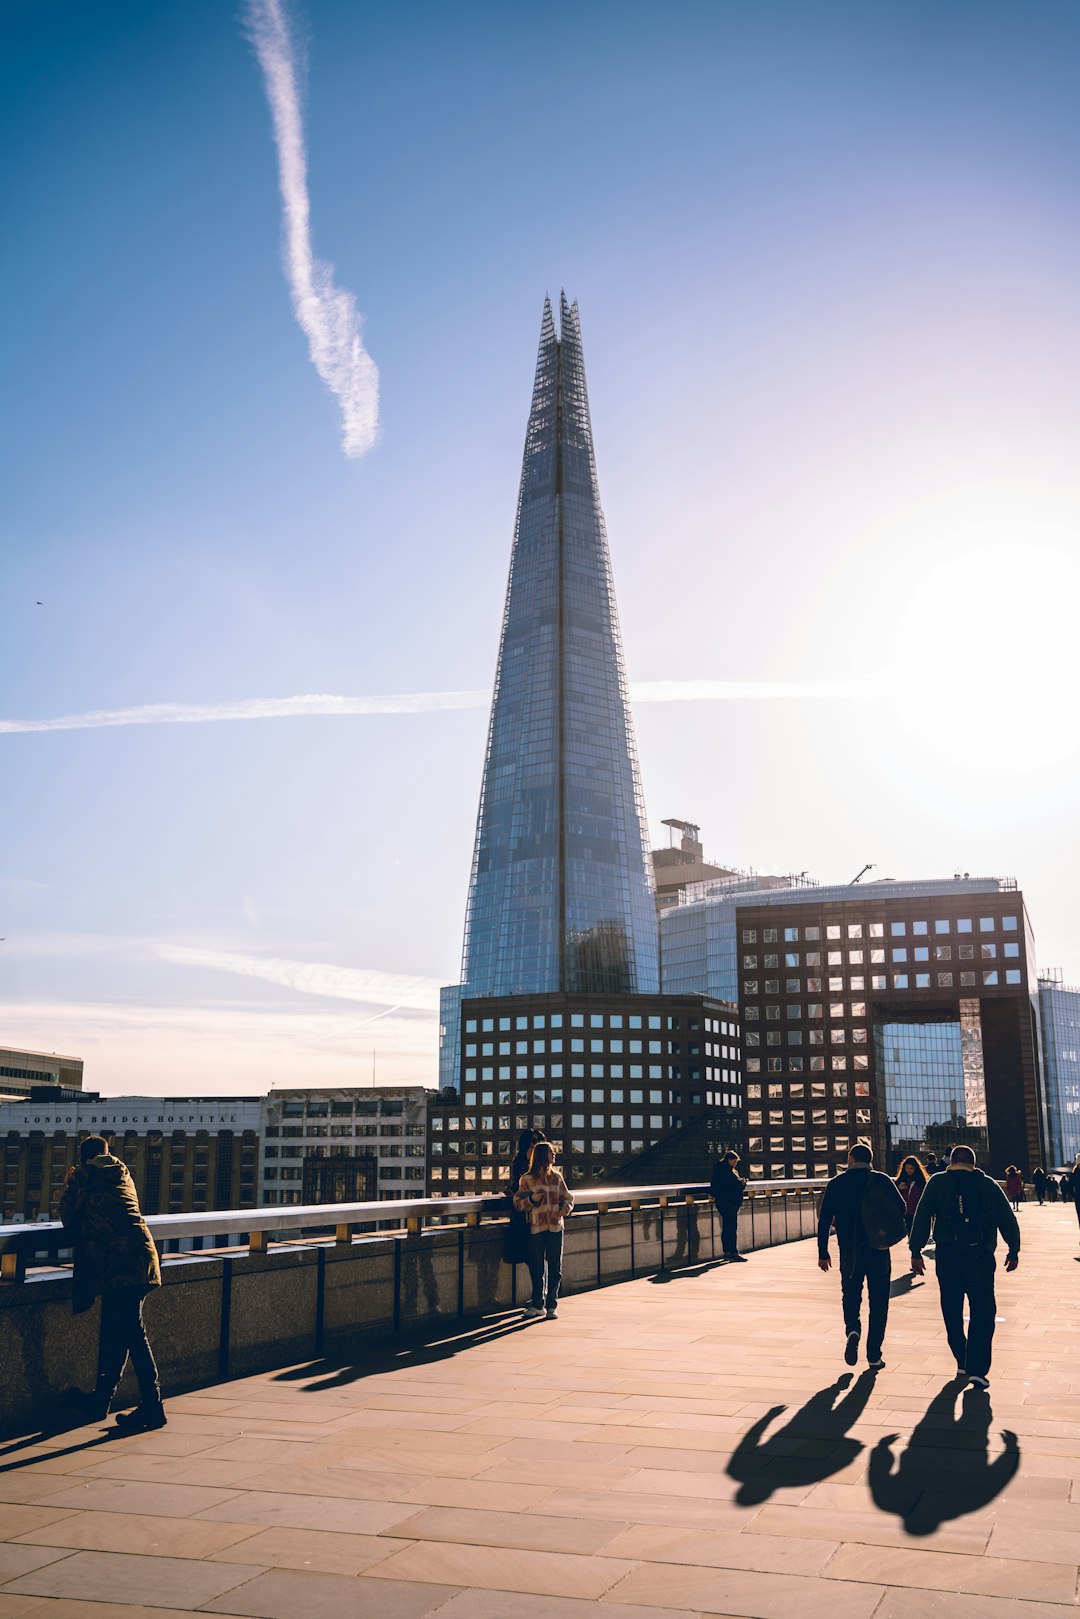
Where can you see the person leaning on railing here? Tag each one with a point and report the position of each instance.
(115, 1258)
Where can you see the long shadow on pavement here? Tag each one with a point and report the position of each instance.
(809, 1448)
(945, 1471)
(414, 1348)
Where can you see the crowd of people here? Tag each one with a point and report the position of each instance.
(949, 1202)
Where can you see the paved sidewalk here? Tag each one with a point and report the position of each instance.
(678, 1448)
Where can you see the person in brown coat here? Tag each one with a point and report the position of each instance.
(115, 1258)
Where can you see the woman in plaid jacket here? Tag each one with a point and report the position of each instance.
(544, 1198)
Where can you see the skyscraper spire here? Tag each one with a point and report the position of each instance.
(560, 897)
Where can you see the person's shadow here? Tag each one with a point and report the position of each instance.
(945, 1470)
(809, 1448)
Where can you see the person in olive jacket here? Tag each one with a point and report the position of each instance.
(968, 1209)
(115, 1258)
(728, 1188)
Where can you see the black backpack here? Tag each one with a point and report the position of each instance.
(965, 1213)
(882, 1213)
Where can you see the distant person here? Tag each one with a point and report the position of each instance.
(1076, 1185)
(910, 1180)
(728, 1188)
(1014, 1187)
(115, 1258)
(1038, 1180)
(868, 1213)
(544, 1197)
(967, 1210)
(516, 1244)
(931, 1164)
(943, 1162)
(1052, 1188)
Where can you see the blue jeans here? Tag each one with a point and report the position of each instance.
(545, 1254)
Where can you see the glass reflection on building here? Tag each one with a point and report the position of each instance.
(930, 1070)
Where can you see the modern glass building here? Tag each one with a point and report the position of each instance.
(560, 898)
(1059, 1013)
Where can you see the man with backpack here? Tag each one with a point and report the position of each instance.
(967, 1209)
(868, 1213)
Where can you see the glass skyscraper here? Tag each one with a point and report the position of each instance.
(560, 898)
(1059, 1010)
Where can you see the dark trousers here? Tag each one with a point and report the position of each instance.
(729, 1227)
(545, 1256)
(967, 1273)
(123, 1334)
(872, 1266)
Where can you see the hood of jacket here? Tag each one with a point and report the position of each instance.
(105, 1172)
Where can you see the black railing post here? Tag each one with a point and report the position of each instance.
(225, 1324)
(397, 1284)
(320, 1299)
(461, 1272)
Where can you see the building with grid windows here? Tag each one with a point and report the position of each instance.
(560, 897)
(605, 1077)
(186, 1155)
(1059, 1013)
(344, 1145)
(905, 1013)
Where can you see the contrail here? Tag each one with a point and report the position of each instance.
(394, 991)
(327, 315)
(434, 702)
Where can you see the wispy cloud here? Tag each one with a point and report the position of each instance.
(368, 987)
(433, 702)
(327, 314)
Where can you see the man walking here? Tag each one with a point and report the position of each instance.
(115, 1257)
(728, 1188)
(868, 1213)
(967, 1210)
(1038, 1180)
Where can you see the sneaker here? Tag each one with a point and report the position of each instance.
(553, 1312)
(851, 1349)
(142, 1419)
(737, 1259)
(533, 1312)
(877, 1363)
(979, 1382)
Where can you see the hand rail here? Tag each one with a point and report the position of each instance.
(20, 1242)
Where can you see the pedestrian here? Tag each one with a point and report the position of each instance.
(1076, 1185)
(931, 1164)
(115, 1258)
(545, 1199)
(1038, 1180)
(967, 1211)
(1066, 1183)
(868, 1213)
(1052, 1188)
(943, 1162)
(728, 1188)
(1014, 1187)
(516, 1243)
(910, 1180)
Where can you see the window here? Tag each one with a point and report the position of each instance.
(922, 980)
(899, 954)
(991, 978)
(945, 980)
(967, 980)
(900, 981)
(1008, 924)
(749, 936)
(854, 930)
(769, 936)
(811, 933)
(791, 935)
(1011, 948)
(749, 965)
(897, 929)
(832, 932)
(943, 952)
(791, 958)
(941, 925)
(963, 924)
(877, 930)
(1012, 975)
(966, 952)
(986, 924)
(988, 952)
(919, 927)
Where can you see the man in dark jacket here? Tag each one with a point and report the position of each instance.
(967, 1209)
(728, 1188)
(1076, 1185)
(115, 1258)
(859, 1262)
(1038, 1180)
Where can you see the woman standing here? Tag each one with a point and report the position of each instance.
(544, 1197)
(910, 1182)
(516, 1245)
(1014, 1187)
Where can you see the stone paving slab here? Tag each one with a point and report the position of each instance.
(662, 1451)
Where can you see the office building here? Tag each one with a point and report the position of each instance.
(560, 897)
(903, 1012)
(606, 1077)
(21, 1070)
(339, 1145)
(679, 865)
(1059, 1015)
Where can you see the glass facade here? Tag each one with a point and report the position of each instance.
(931, 1077)
(1059, 1014)
(560, 898)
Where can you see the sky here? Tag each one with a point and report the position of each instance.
(262, 432)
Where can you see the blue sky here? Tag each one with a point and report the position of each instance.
(825, 256)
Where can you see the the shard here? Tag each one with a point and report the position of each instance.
(560, 897)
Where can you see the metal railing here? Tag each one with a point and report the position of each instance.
(44, 1240)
